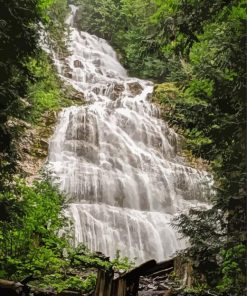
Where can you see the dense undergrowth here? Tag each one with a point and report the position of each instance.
(196, 50)
(35, 240)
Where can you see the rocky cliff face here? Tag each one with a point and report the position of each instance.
(32, 147)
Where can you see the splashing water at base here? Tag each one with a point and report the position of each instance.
(117, 161)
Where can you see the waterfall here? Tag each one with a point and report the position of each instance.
(117, 160)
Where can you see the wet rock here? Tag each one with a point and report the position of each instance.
(79, 96)
(117, 91)
(50, 117)
(44, 144)
(39, 153)
(162, 287)
(110, 74)
(99, 71)
(149, 96)
(25, 103)
(135, 88)
(118, 88)
(97, 62)
(32, 147)
(68, 75)
(151, 287)
(67, 72)
(16, 122)
(154, 285)
(96, 90)
(78, 64)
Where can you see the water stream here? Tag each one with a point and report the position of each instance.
(117, 160)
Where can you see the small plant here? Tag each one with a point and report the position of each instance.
(121, 263)
(74, 283)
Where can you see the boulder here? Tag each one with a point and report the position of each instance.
(67, 72)
(96, 90)
(78, 64)
(16, 122)
(117, 91)
(44, 144)
(135, 88)
(78, 96)
(50, 117)
(97, 62)
(68, 75)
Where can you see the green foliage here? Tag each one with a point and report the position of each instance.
(75, 283)
(121, 263)
(43, 6)
(55, 26)
(197, 289)
(98, 16)
(211, 110)
(29, 239)
(82, 256)
(47, 93)
(33, 241)
(206, 233)
(233, 269)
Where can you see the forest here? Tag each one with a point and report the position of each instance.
(194, 51)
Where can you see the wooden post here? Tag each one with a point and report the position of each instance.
(104, 283)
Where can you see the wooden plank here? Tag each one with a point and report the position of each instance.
(158, 267)
(121, 288)
(140, 270)
(104, 283)
(164, 272)
(96, 291)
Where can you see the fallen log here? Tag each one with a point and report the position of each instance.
(10, 288)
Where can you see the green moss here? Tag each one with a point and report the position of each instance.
(166, 91)
(166, 95)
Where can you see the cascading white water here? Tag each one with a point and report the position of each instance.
(117, 160)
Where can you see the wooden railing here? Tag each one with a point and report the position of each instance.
(128, 283)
